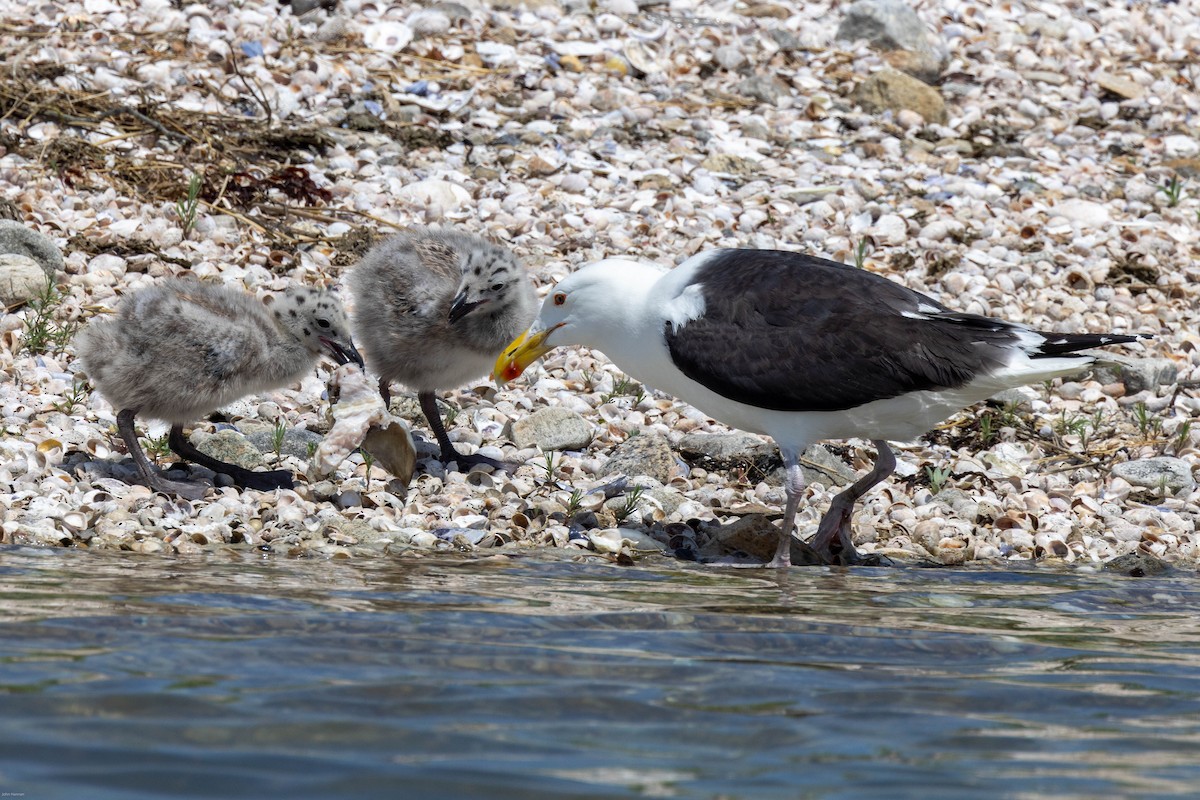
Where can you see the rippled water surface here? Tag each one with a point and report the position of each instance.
(252, 676)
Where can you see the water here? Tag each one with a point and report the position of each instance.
(257, 676)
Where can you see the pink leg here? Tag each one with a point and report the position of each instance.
(833, 539)
(794, 489)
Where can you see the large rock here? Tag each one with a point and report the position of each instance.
(894, 27)
(1159, 474)
(1136, 565)
(893, 91)
(644, 454)
(757, 536)
(296, 441)
(229, 446)
(21, 280)
(1136, 373)
(552, 428)
(16, 238)
(760, 459)
(769, 89)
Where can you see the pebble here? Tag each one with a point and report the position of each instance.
(552, 428)
(893, 91)
(18, 239)
(892, 25)
(21, 280)
(1162, 474)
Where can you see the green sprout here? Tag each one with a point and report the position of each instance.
(575, 502)
(861, 251)
(632, 498)
(937, 478)
(278, 435)
(187, 207)
(75, 397)
(42, 333)
(1173, 189)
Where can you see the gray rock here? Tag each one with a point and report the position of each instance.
(16, 238)
(1136, 565)
(723, 449)
(644, 454)
(1137, 374)
(552, 428)
(757, 536)
(667, 497)
(769, 89)
(894, 27)
(21, 280)
(229, 446)
(1159, 474)
(893, 91)
(1019, 398)
(295, 440)
(820, 465)
(787, 41)
(761, 459)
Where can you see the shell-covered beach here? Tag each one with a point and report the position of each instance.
(1043, 166)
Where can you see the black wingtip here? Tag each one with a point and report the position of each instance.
(1057, 344)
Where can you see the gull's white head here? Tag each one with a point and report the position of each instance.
(583, 308)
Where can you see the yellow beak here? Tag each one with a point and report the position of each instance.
(523, 351)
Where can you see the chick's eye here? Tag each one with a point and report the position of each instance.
(497, 287)
(324, 323)
(560, 298)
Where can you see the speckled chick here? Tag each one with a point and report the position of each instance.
(432, 310)
(180, 349)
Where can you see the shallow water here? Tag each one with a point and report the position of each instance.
(255, 676)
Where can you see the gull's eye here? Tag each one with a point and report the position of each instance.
(497, 287)
(560, 298)
(324, 323)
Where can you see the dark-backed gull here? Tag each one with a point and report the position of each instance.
(798, 348)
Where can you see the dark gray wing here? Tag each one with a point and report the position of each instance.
(791, 332)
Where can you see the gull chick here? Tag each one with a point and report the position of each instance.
(432, 310)
(180, 349)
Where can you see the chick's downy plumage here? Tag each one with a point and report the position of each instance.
(180, 349)
(432, 310)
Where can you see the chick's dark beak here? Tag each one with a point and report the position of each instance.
(461, 307)
(343, 352)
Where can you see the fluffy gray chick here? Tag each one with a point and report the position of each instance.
(433, 309)
(180, 349)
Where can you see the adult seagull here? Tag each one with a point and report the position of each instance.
(798, 348)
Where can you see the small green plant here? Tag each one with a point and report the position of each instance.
(157, 447)
(42, 333)
(937, 478)
(549, 463)
(574, 502)
(861, 251)
(1076, 424)
(1182, 434)
(278, 435)
(1009, 415)
(1149, 425)
(368, 462)
(450, 413)
(187, 207)
(625, 386)
(311, 447)
(632, 498)
(75, 397)
(1173, 189)
(986, 430)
